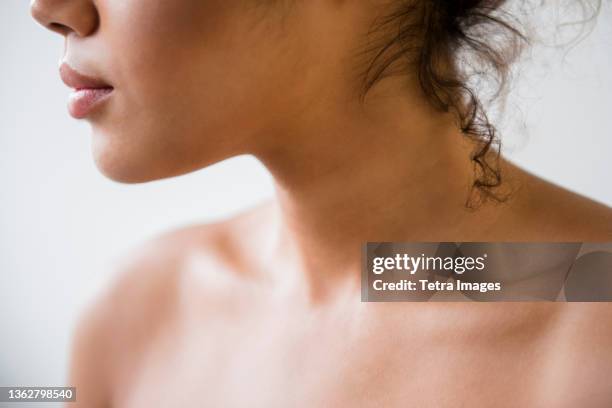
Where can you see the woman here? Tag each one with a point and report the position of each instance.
(364, 117)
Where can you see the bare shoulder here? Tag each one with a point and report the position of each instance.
(556, 214)
(143, 300)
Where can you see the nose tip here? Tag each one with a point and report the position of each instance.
(66, 16)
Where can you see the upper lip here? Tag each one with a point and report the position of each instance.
(74, 79)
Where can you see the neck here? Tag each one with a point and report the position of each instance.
(391, 169)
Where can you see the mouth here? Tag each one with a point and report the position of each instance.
(88, 93)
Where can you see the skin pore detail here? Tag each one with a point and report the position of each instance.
(264, 309)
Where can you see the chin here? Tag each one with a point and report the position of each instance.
(140, 157)
(131, 165)
(121, 171)
(119, 164)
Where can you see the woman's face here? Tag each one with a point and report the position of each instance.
(193, 81)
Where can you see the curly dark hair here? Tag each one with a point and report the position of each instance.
(452, 45)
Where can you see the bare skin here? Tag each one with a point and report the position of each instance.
(264, 309)
(218, 315)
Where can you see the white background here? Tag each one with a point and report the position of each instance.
(62, 223)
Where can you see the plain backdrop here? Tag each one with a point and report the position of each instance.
(62, 223)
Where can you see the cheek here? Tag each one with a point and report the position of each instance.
(189, 59)
(188, 84)
(155, 44)
(189, 79)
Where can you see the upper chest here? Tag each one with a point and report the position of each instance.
(395, 356)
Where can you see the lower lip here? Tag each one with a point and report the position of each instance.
(82, 102)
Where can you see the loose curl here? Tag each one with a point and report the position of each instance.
(452, 44)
